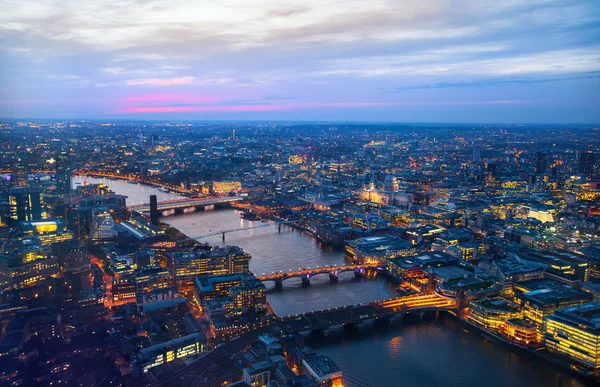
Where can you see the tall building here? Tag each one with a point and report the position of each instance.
(64, 171)
(26, 203)
(587, 164)
(18, 177)
(541, 163)
(153, 210)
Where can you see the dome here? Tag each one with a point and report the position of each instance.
(389, 179)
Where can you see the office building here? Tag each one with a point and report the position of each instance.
(575, 332)
(492, 312)
(153, 210)
(541, 163)
(186, 266)
(587, 164)
(26, 203)
(64, 172)
(167, 352)
(378, 249)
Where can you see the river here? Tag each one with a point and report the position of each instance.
(433, 352)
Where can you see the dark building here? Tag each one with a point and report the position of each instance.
(587, 164)
(26, 203)
(153, 210)
(64, 171)
(541, 163)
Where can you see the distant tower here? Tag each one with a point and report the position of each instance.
(476, 155)
(18, 177)
(64, 171)
(587, 164)
(541, 163)
(153, 210)
(233, 138)
(309, 161)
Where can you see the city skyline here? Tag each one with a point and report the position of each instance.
(229, 60)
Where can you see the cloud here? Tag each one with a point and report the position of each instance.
(160, 82)
(491, 83)
(266, 107)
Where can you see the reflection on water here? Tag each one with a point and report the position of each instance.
(438, 351)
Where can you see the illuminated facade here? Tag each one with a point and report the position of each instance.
(46, 231)
(575, 332)
(226, 186)
(378, 249)
(521, 331)
(492, 312)
(156, 355)
(186, 266)
(26, 203)
(27, 267)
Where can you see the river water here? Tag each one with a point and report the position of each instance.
(435, 351)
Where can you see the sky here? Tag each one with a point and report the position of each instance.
(529, 61)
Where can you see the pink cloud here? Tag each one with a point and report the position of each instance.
(160, 81)
(288, 106)
(187, 109)
(171, 97)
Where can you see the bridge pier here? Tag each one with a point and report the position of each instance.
(359, 273)
(279, 227)
(306, 279)
(223, 237)
(333, 276)
(351, 327)
(279, 284)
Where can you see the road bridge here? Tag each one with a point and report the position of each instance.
(356, 314)
(199, 371)
(308, 273)
(182, 204)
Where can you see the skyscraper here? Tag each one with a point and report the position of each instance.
(26, 203)
(541, 163)
(587, 164)
(153, 210)
(64, 171)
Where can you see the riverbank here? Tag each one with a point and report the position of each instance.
(550, 358)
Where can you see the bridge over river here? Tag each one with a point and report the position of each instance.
(308, 273)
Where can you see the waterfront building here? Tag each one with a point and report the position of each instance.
(378, 249)
(324, 370)
(520, 330)
(244, 288)
(26, 203)
(167, 352)
(401, 268)
(492, 312)
(185, 266)
(225, 186)
(140, 230)
(575, 332)
(542, 302)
